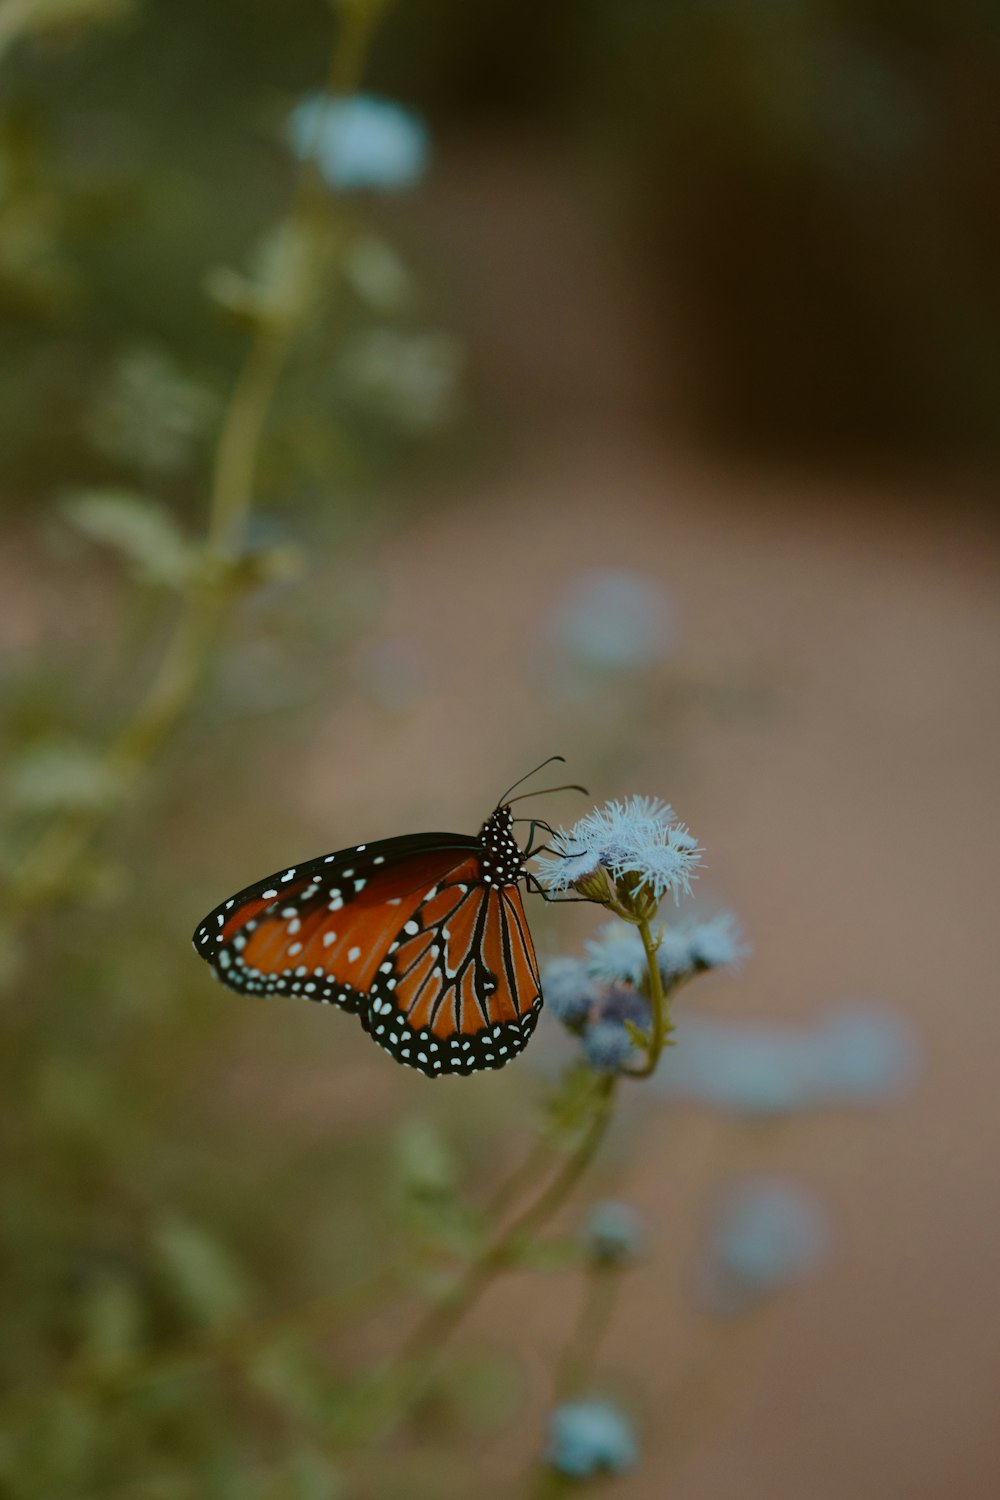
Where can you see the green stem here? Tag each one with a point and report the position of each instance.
(661, 1025)
(548, 1484)
(580, 1355)
(238, 1342)
(409, 1371)
(510, 1189)
(47, 871)
(543, 1482)
(238, 450)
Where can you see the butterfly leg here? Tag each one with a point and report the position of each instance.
(542, 848)
(535, 888)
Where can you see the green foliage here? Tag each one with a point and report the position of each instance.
(277, 289)
(201, 1274)
(215, 1288)
(574, 1101)
(49, 777)
(149, 415)
(144, 532)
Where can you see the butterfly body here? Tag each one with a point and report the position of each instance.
(423, 937)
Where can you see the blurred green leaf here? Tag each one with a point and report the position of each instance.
(573, 1101)
(61, 776)
(37, 15)
(279, 285)
(377, 274)
(202, 1273)
(307, 1474)
(24, 17)
(636, 1034)
(140, 528)
(111, 1316)
(408, 378)
(482, 1391)
(291, 1372)
(424, 1159)
(431, 1210)
(151, 414)
(44, 1452)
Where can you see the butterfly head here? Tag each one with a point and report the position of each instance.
(502, 859)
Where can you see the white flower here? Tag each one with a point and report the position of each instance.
(569, 989)
(639, 836)
(610, 620)
(854, 1056)
(767, 1234)
(360, 141)
(617, 954)
(715, 942)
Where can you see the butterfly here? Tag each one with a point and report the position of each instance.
(424, 938)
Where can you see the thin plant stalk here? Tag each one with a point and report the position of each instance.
(46, 872)
(407, 1375)
(661, 1024)
(601, 1289)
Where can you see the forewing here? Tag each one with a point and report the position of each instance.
(321, 929)
(458, 989)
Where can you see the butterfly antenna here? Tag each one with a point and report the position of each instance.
(529, 774)
(545, 791)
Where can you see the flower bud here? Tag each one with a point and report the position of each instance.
(598, 886)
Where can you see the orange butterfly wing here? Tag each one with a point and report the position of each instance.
(320, 930)
(423, 937)
(459, 988)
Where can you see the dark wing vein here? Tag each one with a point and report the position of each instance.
(419, 1011)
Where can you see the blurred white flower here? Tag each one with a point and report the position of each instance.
(686, 944)
(376, 273)
(611, 620)
(360, 141)
(612, 1233)
(150, 414)
(616, 953)
(569, 990)
(411, 378)
(587, 1438)
(856, 1055)
(608, 1047)
(766, 1234)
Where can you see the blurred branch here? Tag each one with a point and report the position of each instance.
(573, 1372)
(46, 873)
(238, 1342)
(603, 1283)
(662, 1024)
(405, 1379)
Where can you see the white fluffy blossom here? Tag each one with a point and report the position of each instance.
(616, 953)
(360, 141)
(715, 942)
(690, 943)
(569, 989)
(639, 836)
